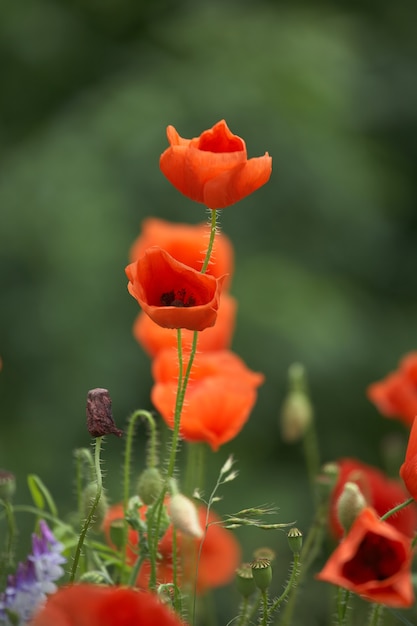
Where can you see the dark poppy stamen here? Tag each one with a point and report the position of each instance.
(178, 299)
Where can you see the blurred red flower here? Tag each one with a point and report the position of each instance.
(380, 492)
(174, 295)
(373, 561)
(213, 168)
(188, 244)
(154, 338)
(220, 554)
(396, 394)
(220, 395)
(408, 470)
(96, 605)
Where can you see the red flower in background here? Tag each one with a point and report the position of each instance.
(373, 561)
(173, 294)
(154, 338)
(220, 554)
(96, 605)
(380, 492)
(396, 394)
(408, 470)
(213, 168)
(188, 244)
(220, 395)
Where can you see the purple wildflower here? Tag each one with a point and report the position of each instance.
(33, 579)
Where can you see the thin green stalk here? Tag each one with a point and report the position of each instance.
(311, 547)
(181, 390)
(375, 614)
(11, 534)
(397, 508)
(90, 515)
(292, 581)
(213, 230)
(343, 597)
(265, 612)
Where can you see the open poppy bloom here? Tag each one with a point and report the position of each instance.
(373, 561)
(174, 295)
(97, 605)
(396, 394)
(188, 244)
(408, 470)
(220, 395)
(220, 554)
(213, 168)
(154, 338)
(380, 492)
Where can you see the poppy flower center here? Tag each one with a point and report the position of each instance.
(376, 558)
(178, 298)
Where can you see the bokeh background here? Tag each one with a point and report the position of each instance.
(326, 253)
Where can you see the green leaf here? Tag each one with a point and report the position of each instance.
(41, 495)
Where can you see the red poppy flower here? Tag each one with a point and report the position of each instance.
(174, 295)
(154, 338)
(219, 398)
(188, 244)
(396, 394)
(213, 168)
(408, 470)
(373, 561)
(220, 554)
(96, 605)
(380, 492)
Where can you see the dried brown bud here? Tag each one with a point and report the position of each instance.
(99, 415)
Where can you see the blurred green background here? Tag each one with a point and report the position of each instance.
(326, 257)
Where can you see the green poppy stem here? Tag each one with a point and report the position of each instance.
(89, 519)
(397, 508)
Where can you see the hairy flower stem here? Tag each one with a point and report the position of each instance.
(183, 379)
(375, 615)
(309, 552)
(291, 584)
(343, 597)
(265, 612)
(90, 515)
(397, 508)
(152, 461)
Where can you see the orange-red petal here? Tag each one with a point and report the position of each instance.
(213, 168)
(173, 294)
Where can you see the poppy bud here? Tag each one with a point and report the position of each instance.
(88, 497)
(99, 414)
(350, 503)
(7, 485)
(295, 540)
(262, 573)
(244, 580)
(184, 516)
(326, 480)
(297, 411)
(149, 485)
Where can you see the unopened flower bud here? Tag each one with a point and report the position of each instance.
(295, 540)
(297, 411)
(326, 480)
(350, 503)
(88, 497)
(184, 516)
(149, 485)
(7, 485)
(262, 573)
(244, 580)
(100, 420)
